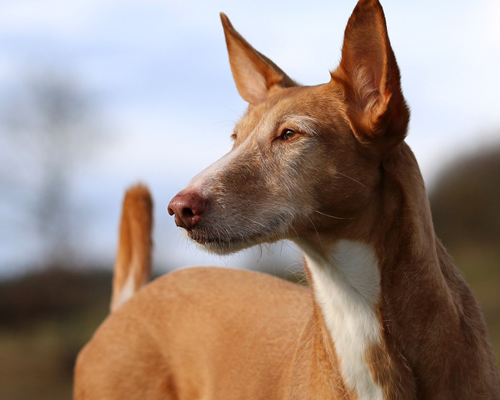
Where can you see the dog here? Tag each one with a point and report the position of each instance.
(386, 314)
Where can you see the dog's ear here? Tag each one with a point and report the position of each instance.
(255, 75)
(369, 77)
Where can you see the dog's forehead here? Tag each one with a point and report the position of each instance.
(258, 117)
(315, 103)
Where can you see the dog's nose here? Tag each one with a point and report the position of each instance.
(188, 208)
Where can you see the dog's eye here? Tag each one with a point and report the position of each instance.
(288, 134)
(233, 136)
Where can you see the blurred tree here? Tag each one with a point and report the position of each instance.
(48, 130)
(465, 202)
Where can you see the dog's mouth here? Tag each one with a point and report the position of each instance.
(224, 242)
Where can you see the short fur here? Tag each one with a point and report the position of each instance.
(133, 258)
(386, 316)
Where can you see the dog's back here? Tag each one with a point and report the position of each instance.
(166, 341)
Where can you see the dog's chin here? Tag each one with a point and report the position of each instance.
(224, 248)
(220, 246)
(226, 245)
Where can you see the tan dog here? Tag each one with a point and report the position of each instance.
(387, 316)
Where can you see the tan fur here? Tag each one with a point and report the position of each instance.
(326, 167)
(133, 258)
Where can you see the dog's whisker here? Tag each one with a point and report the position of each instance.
(351, 178)
(315, 229)
(255, 222)
(330, 216)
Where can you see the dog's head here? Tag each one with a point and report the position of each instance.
(305, 160)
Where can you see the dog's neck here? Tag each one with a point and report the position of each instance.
(346, 285)
(392, 302)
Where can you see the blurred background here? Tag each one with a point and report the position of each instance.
(96, 95)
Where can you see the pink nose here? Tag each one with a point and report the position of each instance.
(188, 208)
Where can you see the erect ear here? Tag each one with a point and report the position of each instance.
(369, 76)
(255, 75)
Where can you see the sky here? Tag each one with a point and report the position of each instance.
(160, 78)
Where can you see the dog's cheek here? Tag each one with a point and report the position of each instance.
(288, 188)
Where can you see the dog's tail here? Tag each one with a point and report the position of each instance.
(133, 259)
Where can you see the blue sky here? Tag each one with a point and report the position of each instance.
(159, 73)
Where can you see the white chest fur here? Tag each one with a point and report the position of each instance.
(346, 284)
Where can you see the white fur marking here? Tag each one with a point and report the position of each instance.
(127, 291)
(347, 287)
